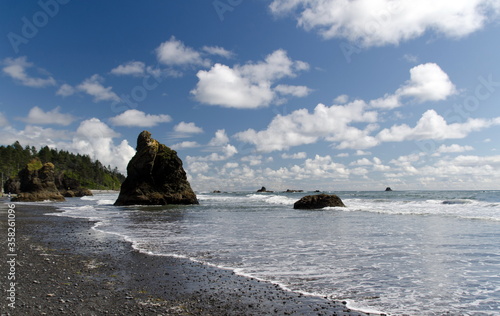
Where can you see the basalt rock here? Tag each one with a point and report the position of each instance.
(12, 185)
(37, 183)
(263, 189)
(69, 187)
(155, 176)
(388, 189)
(318, 201)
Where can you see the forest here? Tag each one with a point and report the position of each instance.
(91, 174)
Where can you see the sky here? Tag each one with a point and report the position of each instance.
(286, 94)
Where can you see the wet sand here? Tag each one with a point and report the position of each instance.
(64, 267)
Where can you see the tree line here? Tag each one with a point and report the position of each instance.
(89, 173)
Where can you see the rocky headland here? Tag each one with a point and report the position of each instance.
(37, 183)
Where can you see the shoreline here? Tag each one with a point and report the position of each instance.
(64, 267)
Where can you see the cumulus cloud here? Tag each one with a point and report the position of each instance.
(17, 68)
(184, 145)
(320, 167)
(37, 116)
(302, 127)
(139, 119)
(428, 82)
(454, 148)
(249, 85)
(340, 124)
(219, 139)
(95, 138)
(377, 23)
(131, 68)
(174, 53)
(227, 151)
(65, 90)
(93, 86)
(187, 128)
(299, 155)
(433, 126)
(341, 99)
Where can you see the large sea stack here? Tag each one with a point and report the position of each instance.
(37, 183)
(155, 176)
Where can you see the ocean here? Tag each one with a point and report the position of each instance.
(399, 252)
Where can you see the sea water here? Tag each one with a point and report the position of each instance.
(401, 253)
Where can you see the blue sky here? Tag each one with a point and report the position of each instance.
(287, 94)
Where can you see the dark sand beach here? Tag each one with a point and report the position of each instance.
(64, 267)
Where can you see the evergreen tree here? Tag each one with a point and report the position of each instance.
(90, 174)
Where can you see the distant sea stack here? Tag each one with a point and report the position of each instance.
(155, 176)
(37, 183)
(318, 201)
(388, 189)
(263, 189)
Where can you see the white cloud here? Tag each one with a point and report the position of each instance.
(227, 150)
(252, 160)
(301, 127)
(249, 85)
(94, 138)
(187, 128)
(296, 91)
(139, 119)
(186, 144)
(216, 50)
(174, 53)
(93, 86)
(428, 82)
(362, 153)
(320, 167)
(454, 148)
(36, 136)
(224, 86)
(231, 165)
(17, 70)
(131, 68)
(220, 138)
(383, 22)
(341, 99)
(65, 90)
(361, 162)
(433, 126)
(37, 116)
(197, 166)
(299, 155)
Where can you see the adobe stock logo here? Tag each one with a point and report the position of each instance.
(30, 27)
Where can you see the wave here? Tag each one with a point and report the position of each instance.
(459, 208)
(456, 202)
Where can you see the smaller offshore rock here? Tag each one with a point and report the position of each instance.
(318, 201)
(263, 189)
